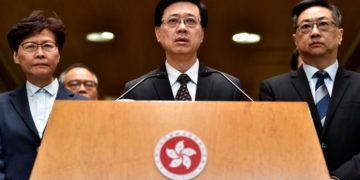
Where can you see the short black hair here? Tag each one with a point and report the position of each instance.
(37, 21)
(163, 4)
(305, 4)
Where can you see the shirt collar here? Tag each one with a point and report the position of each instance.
(51, 88)
(311, 70)
(173, 73)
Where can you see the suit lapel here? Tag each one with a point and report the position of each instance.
(162, 86)
(301, 84)
(204, 84)
(342, 81)
(21, 104)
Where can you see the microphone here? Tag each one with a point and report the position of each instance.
(158, 75)
(229, 80)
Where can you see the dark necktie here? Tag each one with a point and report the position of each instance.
(183, 92)
(322, 97)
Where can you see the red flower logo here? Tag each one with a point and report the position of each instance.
(180, 155)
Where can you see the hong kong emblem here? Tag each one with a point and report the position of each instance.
(180, 155)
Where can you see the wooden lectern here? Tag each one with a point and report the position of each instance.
(116, 140)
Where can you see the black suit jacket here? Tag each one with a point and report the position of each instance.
(19, 139)
(210, 87)
(340, 136)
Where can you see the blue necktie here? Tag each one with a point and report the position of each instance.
(322, 97)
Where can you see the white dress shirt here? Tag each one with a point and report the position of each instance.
(192, 72)
(41, 101)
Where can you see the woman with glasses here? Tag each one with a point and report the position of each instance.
(36, 42)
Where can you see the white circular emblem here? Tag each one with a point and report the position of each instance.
(180, 155)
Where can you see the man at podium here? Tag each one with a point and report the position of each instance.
(179, 28)
(36, 42)
(331, 92)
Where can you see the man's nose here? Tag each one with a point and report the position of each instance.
(82, 88)
(182, 26)
(315, 29)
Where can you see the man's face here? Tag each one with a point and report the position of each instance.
(317, 34)
(38, 56)
(181, 31)
(81, 81)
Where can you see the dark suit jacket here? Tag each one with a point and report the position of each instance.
(211, 87)
(340, 136)
(19, 138)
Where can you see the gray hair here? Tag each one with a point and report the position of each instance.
(77, 65)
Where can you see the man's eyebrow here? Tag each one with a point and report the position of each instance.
(314, 19)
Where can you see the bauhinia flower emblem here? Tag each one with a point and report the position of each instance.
(180, 155)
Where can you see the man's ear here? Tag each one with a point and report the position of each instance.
(341, 32)
(157, 34)
(202, 34)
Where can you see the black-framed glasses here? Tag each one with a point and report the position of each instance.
(48, 46)
(322, 25)
(174, 21)
(76, 84)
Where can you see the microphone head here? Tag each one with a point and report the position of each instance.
(158, 75)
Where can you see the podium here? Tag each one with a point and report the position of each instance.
(116, 140)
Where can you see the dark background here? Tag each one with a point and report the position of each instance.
(134, 51)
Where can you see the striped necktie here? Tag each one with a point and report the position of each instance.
(322, 97)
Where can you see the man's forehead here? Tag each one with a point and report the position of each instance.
(183, 14)
(79, 69)
(181, 9)
(79, 72)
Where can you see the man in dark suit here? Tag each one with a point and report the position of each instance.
(179, 28)
(35, 42)
(331, 92)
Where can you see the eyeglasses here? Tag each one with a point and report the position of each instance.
(323, 25)
(189, 22)
(75, 84)
(47, 46)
